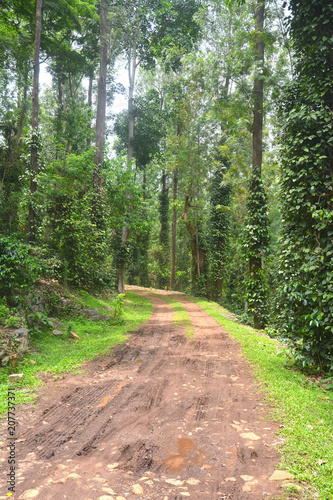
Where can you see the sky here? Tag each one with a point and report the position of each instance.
(120, 101)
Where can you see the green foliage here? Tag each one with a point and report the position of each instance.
(127, 209)
(18, 269)
(75, 222)
(39, 322)
(118, 305)
(218, 230)
(306, 262)
(255, 246)
(149, 126)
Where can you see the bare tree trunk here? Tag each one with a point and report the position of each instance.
(255, 262)
(90, 89)
(199, 256)
(130, 152)
(131, 77)
(144, 185)
(121, 282)
(101, 98)
(21, 121)
(34, 141)
(174, 230)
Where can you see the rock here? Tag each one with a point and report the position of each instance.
(92, 312)
(22, 334)
(250, 435)
(193, 481)
(15, 376)
(105, 497)
(5, 360)
(56, 332)
(247, 478)
(32, 361)
(137, 489)
(174, 482)
(281, 475)
(108, 490)
(29, 494)
(73, 335)
(59, 325)
(227, 479)
(113, 466)
(73, 476)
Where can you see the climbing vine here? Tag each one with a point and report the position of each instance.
(219, 223)
(306, 262)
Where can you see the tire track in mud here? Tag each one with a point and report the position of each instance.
(161, 405)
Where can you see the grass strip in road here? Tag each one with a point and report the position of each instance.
(304, 408)
(60, 354)
(181, 316)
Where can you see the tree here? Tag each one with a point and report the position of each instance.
(307, 170)
(101, 97)
(257, 229)
(219, 227)
(153, 27)
(34, 125)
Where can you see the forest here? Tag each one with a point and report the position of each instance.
(216, 180)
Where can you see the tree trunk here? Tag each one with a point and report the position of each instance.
(130, 152)
(21, 120)
(174, 230)
(122, 267)
(34, 139)
(255, 262)
(101, 98)
(164, 209)
(90, 91)
(144, 185)
(131, 77)
(199, 256)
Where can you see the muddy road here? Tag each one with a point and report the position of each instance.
(164, 417)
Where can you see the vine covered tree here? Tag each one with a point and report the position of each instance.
(306, 264)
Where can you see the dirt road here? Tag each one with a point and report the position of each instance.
(163, 417)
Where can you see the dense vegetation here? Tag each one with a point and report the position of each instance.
(218, 181)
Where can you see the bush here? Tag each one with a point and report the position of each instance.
(18, 269)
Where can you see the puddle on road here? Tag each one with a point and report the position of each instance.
(188, 454)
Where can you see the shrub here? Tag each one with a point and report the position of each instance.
(18, 269)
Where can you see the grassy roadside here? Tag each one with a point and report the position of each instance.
(181, 316)
(62, 355)
(304, 408)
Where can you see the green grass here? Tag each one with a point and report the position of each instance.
(305, 410)
(63, 355)
(181, 316)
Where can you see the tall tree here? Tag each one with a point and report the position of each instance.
(101, 97)
(219, 228)
(34, 136)
(154, 26)
(306, 264)
(257, 229)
